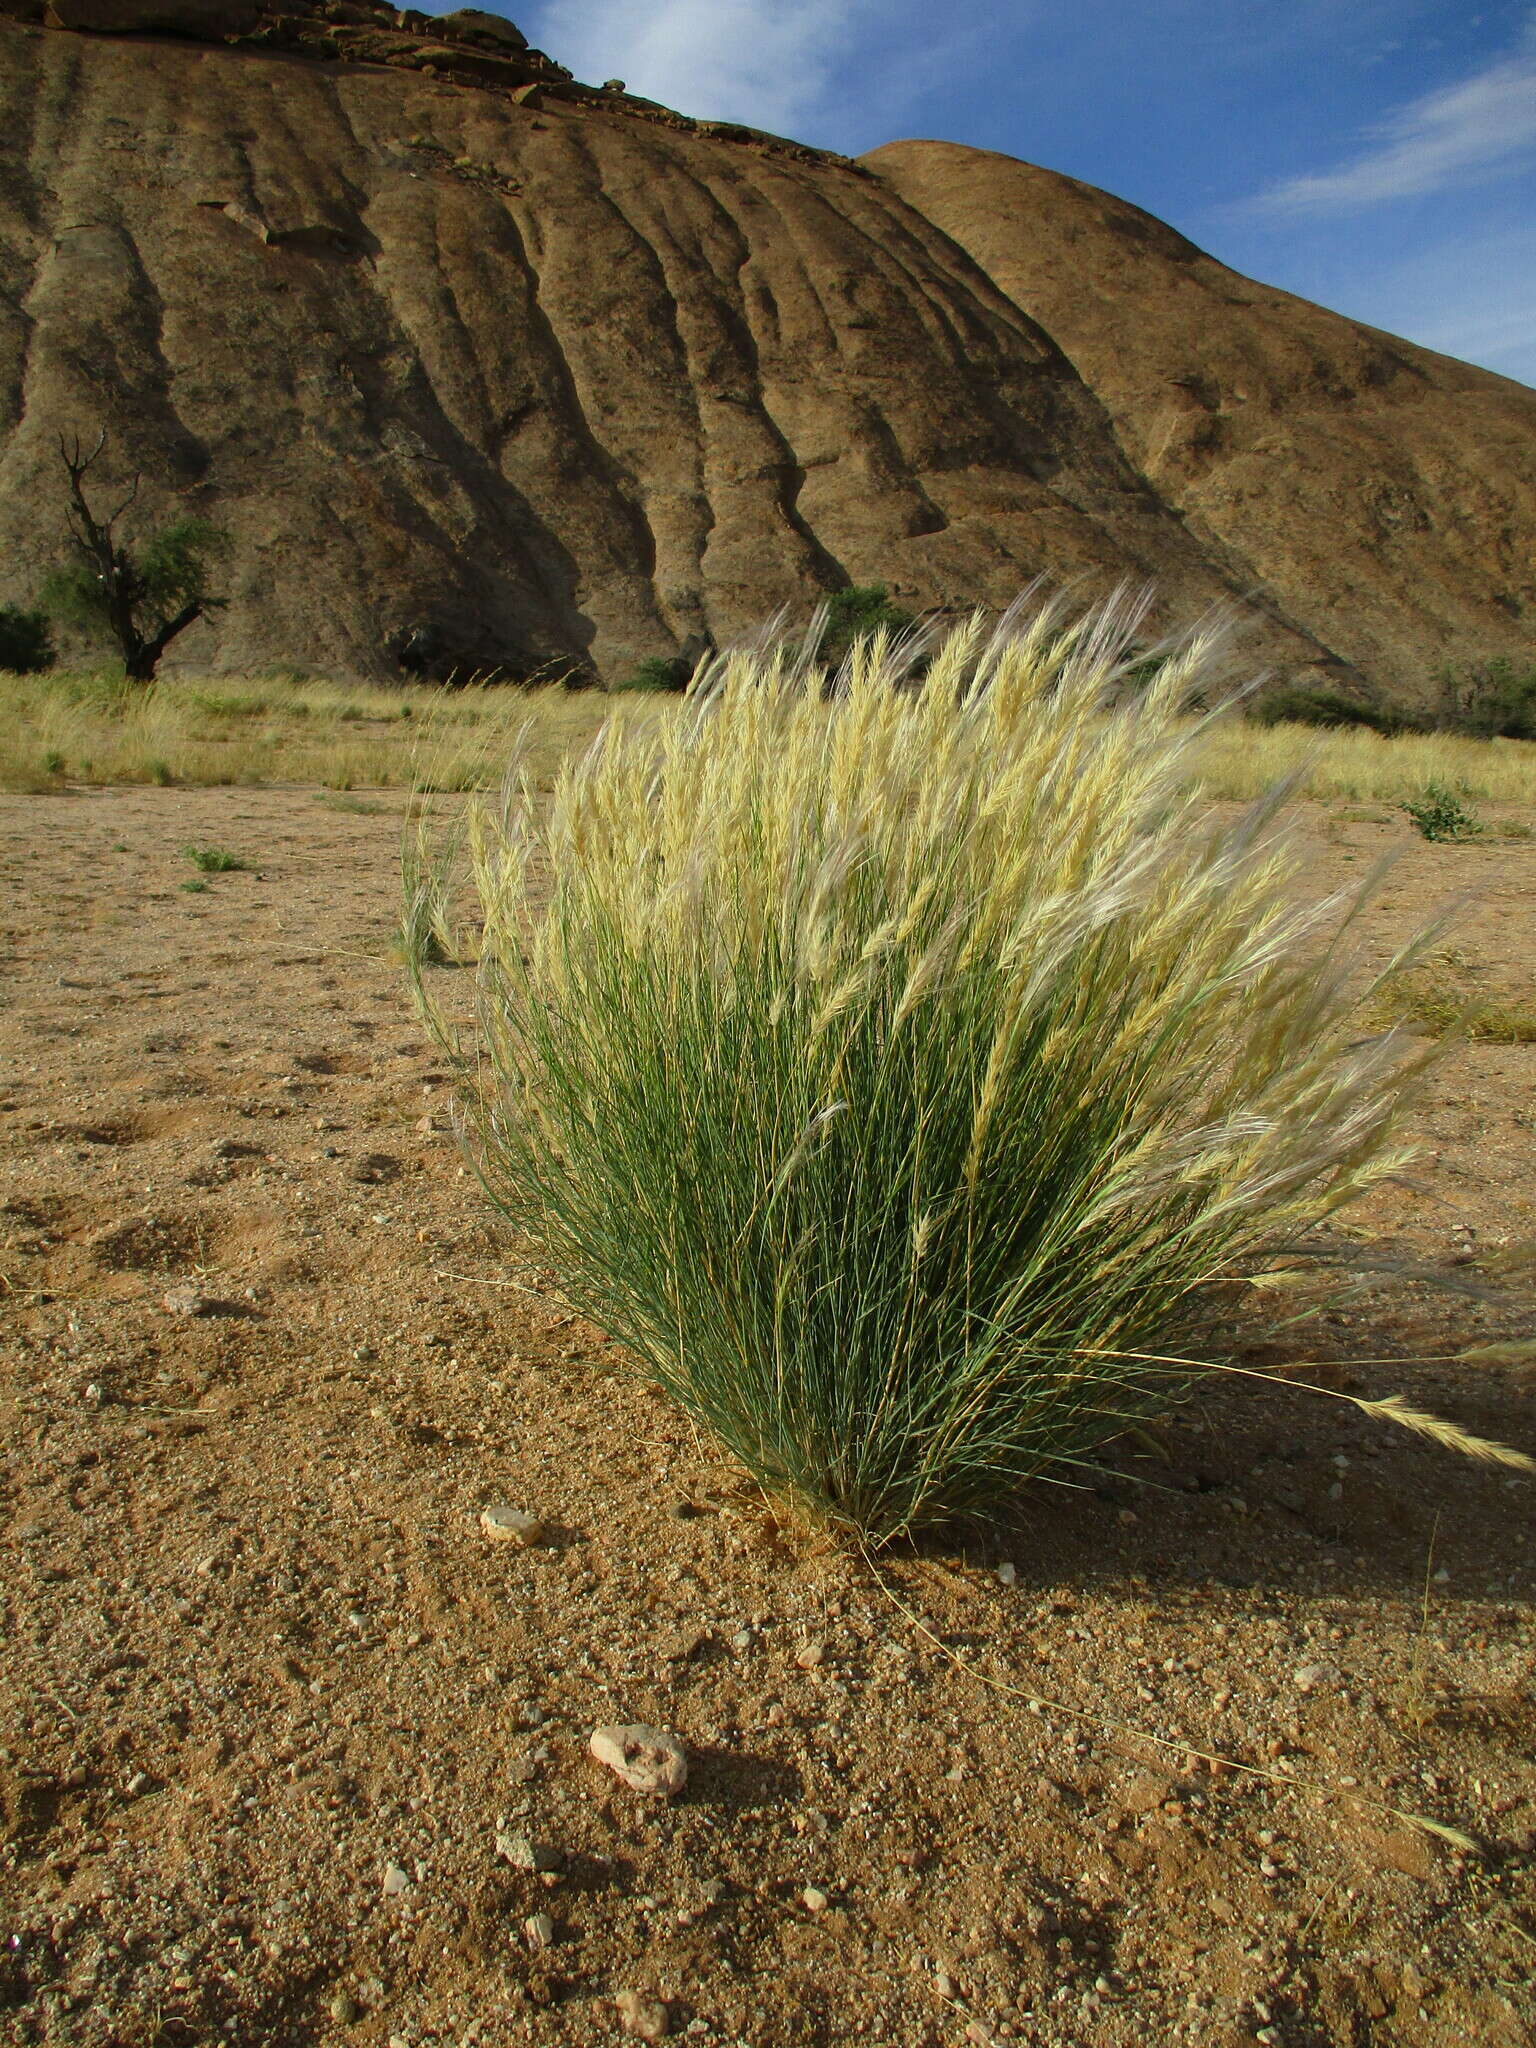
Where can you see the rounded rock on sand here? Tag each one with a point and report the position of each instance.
(512, 1525)
(647, 2019)
(647, 1759)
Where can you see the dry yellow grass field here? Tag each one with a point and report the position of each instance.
(222, 730)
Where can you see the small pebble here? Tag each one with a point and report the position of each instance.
(814, 1899)
(524, 1854)
(396, 1881)
(187, 1301)
(647, 1759)
(512, 1525)
(1008, 1574)
(345, 2009)
(540, 1930)
(1310, 1677)
(647, 2019)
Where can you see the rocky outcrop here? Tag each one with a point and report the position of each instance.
(484, 366)
(1385, 496)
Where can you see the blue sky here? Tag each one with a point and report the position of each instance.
(1376, 155)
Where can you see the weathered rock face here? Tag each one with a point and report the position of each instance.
(1385, 496)
(482, 366)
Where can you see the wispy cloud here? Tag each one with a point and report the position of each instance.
(768, 63)
(1471, 295)
(1485, 124)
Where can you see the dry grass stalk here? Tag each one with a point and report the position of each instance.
(1455, 1838)
(1393, 1408)
(1385, 1408)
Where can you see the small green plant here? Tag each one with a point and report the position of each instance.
(195, 888)
(858, 613)
(895, 1071)
(1438, 813)
(26, 644)
(657, 672)
(53, 762)
(214, 860)
(161, 773)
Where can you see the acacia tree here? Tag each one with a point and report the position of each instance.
(145, 596)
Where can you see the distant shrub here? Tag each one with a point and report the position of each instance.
(855, 614)
(893, 1072)
(1439, 813)
(1493, 699)
(658, 672)
(26, 642)
(214, 860)
(1300, 706)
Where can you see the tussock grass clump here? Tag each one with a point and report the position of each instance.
(885, 1069)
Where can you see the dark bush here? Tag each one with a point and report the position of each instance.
(658, 672)
(1494, 699)
(854, 614)
(26, 644)
(1302, 706)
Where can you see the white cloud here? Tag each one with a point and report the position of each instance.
(1484, 124)
(768, 63)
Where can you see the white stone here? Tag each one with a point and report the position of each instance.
(1310, 1677)
(647, 1759)
(396, 1881)
(512, 1525)
(647, 2019)
(814, 1899)
(186, 1301)
(540, 1930)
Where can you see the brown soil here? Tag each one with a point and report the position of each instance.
(259, 1651)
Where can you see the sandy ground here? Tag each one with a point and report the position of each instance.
(269, 1696)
